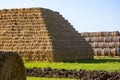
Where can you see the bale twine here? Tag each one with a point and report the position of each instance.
(11, 66)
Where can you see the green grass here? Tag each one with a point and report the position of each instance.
(37, 78)
(99, 63)
(107, 64)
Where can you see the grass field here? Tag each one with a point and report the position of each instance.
(107, 64)
(99, 63)
(36, 78)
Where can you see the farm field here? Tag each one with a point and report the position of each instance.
(110, 64)
(99, 63)
(37, 78)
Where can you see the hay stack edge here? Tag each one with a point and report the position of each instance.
(104, 43)
(11, 66)
(41, 34)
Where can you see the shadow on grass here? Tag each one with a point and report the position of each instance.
(95, 61)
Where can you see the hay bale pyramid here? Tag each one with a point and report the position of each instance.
(41, 34)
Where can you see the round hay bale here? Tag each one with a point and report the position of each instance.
(100, 39)
(88, 39)
(95, 45)
(93, 39)
(100, 45)
(107, 39)
(96, 39)
(114, 52)
(116, 39)
(92, 34)
(98, 51)
(115, 33)
(112, 45)
(107, 33)
(106, 52)
(11, 66)
(117, 44)
(101, 34)
(103, 45)
(85, 34)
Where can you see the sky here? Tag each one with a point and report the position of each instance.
(84, 15)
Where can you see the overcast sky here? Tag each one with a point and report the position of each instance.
(84, 15)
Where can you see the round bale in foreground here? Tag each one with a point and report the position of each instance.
(11, 66)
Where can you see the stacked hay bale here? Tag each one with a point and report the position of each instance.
(11, 66)
(41, 34)
(103, 43)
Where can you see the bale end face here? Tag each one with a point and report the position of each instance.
(11, 66)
